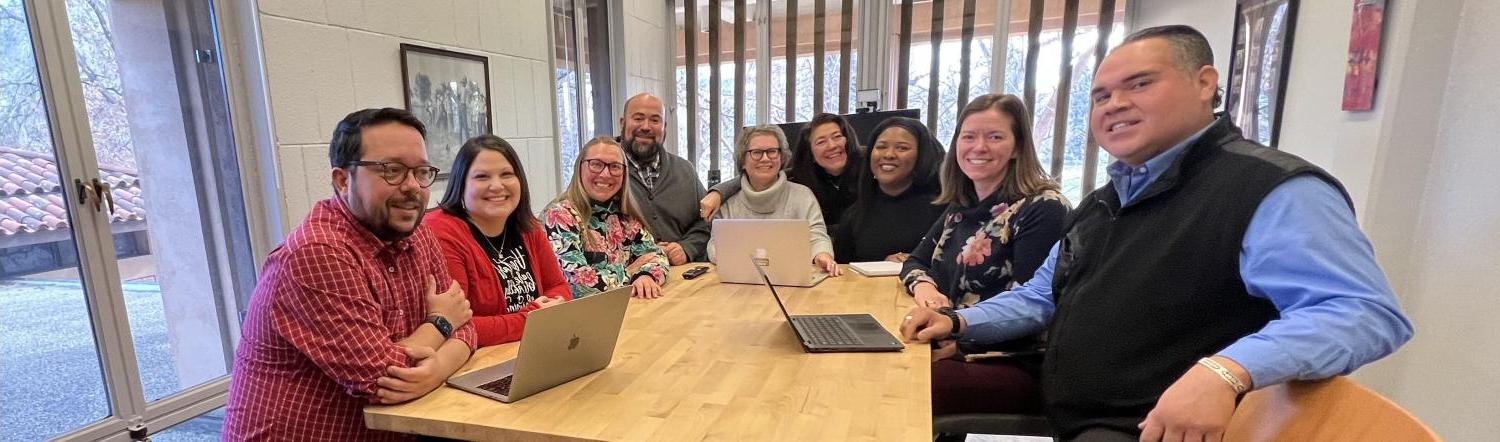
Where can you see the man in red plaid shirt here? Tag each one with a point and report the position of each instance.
(346, 312)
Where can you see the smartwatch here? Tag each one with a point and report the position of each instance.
(952, 316)
(441, 324)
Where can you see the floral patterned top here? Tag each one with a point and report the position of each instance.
(594, 271)
(974, 253)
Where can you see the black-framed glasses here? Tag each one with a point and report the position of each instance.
(761, 154)
(393, 172)
(598, 166)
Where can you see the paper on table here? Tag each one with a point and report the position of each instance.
(876, 268)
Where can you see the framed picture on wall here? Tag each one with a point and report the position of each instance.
(450, 92)
(1259, 65)
(1364, 55)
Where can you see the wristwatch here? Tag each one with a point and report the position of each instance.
(952, 316)
(441, 324)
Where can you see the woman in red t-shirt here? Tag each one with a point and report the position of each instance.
(493, 245)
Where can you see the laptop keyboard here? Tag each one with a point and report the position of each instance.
(827, 330)
(500, 387)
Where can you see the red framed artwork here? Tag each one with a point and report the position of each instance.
(1364, 55)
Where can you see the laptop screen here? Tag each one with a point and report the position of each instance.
(767, 279)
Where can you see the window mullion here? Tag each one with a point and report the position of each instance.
(1000, 46)
(1064, 89)
(1091, 149)
(934, 68)
(1033, 51)
(763, 62)
(57, 66)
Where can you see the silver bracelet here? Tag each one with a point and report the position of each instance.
(1239, 387)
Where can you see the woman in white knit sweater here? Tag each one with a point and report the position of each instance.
(760, 155)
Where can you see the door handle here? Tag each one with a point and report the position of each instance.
(87, 194)
(102, 193)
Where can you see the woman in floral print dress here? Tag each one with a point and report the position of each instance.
(596, 230)
(1003, 217)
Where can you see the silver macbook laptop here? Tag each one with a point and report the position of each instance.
(779, 245)
(835, 333)
(561, 343)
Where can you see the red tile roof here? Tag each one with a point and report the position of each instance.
(31, 199)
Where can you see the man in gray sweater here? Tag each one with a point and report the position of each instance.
(665, 186)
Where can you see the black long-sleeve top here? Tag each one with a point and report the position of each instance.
(885, 225)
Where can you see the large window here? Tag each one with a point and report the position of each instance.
(752, 54)
(122, 228)
(584, 94)
(957, 51)
(941, 54)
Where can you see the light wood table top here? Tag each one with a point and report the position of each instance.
(709, 361)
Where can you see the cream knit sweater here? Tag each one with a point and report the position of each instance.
(783, 200)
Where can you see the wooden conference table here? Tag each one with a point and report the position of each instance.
(709, 361)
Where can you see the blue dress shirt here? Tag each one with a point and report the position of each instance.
(1303, 251)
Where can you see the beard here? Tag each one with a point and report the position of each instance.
(643, 150)
(377, 219)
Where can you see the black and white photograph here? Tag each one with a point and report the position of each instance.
(450, 92)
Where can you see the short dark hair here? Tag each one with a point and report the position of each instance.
(521, 219)
(1190, 49)
(345, 146)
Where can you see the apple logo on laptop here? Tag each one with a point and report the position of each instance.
(573, 343)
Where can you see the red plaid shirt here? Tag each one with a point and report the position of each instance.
(323, 325)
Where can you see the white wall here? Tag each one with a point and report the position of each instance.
(1447, 374)
(1214, 18)
(1418, 168)
(326, 58)
(646, 48)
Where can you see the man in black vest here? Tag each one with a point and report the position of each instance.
(1210, 266)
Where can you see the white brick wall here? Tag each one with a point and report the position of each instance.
(326, 58)
(645, 50)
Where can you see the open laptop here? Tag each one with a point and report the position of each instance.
(835, 333)
(561, 343)
(779, 245)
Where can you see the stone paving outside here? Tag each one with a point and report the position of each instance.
(50, 378)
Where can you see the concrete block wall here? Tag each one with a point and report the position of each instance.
(646, 48)
(326, 58)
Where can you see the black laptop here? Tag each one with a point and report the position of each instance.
(835, 333)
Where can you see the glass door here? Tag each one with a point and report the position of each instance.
(123, 244)
(49, 359)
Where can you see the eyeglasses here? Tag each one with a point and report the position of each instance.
(761, 154)
(394, 173)
(598, 166)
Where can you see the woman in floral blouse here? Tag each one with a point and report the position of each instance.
(1003, 216)
(596, 230)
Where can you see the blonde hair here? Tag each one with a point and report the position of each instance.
(578, 197)
(1024, 177)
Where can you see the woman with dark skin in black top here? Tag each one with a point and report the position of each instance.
(894, 208)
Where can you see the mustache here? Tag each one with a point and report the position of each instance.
(405, 199)
(641, 149)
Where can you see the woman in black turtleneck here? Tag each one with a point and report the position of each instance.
(896, 192)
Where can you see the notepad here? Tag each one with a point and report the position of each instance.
(876, 268)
